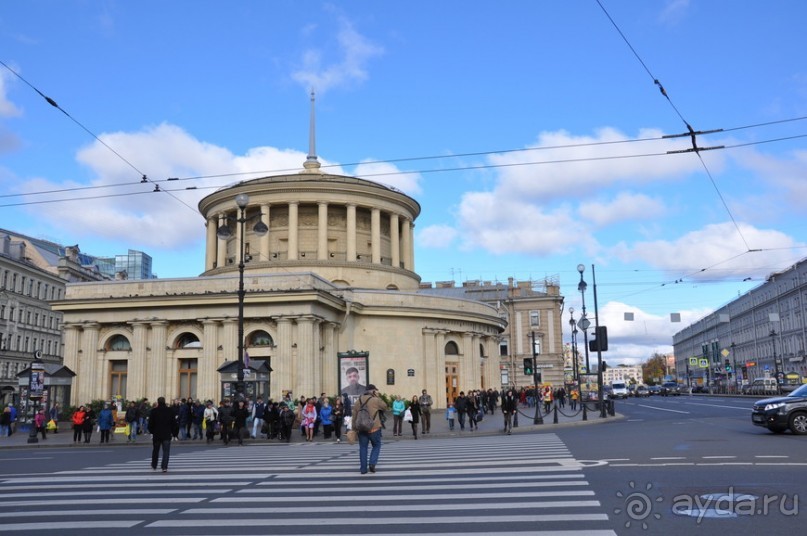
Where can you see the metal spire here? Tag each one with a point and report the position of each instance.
(311, 163)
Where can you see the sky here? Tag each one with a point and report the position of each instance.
(536, 136)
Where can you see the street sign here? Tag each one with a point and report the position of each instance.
(703, 363)
(544, 365)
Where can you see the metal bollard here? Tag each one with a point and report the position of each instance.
(611, 410)
(555, 417)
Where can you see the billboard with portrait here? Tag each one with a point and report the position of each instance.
(353, 373)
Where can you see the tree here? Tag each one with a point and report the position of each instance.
(655, 367)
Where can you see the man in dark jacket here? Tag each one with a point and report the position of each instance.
(509, 408)
(163, 427)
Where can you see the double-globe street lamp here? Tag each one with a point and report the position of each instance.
(223, 233)
(576, 361)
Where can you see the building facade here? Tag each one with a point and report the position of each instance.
(33, 273)
(532, 310)
(758, 335)
(622, 373)
(332, 284)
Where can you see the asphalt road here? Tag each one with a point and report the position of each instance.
(674, 465)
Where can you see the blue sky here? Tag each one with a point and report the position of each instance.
(531, 133)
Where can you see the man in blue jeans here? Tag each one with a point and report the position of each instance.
(375, 406)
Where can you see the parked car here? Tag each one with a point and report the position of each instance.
(782, 413)
(654, 389)
(670, 389)
(761, 386)
(641, 391)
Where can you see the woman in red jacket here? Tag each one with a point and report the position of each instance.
(78, 422)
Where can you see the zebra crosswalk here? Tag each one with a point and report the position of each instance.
(526, 484)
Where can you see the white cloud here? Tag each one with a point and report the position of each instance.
(7, 108)
(436, 236)
(502, 225)
(563, 164)
(635, 341)
(717, 249)
(141, 216)
(625, 206)
(354, 50)
(390, 175)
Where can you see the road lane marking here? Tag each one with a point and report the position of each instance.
(664, 409)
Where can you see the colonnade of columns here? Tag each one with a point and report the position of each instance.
(401, 236)
(300, 359)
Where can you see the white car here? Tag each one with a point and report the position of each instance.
(619, 390)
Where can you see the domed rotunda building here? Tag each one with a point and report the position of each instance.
(330, 296)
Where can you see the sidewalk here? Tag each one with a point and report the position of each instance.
(490, 425)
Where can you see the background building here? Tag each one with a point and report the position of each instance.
(757, 335)
(622, 373)
(529, 307)
(33, 273)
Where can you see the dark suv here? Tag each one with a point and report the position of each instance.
(779, 414)
(670, 389)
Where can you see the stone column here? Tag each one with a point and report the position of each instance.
(139, 363)
(330, 372)
(351, 233)
(476, 364)
(264, 252)
(395, 238)
(156, 373)
(72, 338)
(91, 366)
(468, 364)
(407, 239)
(305, 357)
(375, 234)
(293, 231)
(411, 247)
(210, 244)
(322, 232)
(209, 386)
(221, 250)
(284, 373)
(438, 366)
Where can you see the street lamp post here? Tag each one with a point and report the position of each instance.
(575, 363)
(537, 419)
(599, 345)
(584, 322)
(224, 232)
(734, 366)
(36, 389)
(776, 368)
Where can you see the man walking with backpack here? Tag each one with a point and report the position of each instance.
(366, 420)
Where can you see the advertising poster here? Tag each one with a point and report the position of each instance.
(353, 373)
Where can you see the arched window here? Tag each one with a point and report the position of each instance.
(481, 350)
(260, 338)
(118, 343)
(187, 340)
(392, 287)
(452, 348)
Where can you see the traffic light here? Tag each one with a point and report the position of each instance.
(600, 341)
(727, 365)
(604, 366)
(528, 370)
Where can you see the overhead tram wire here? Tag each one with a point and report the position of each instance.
(690, 131)
(419, 171)
(144, 177)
